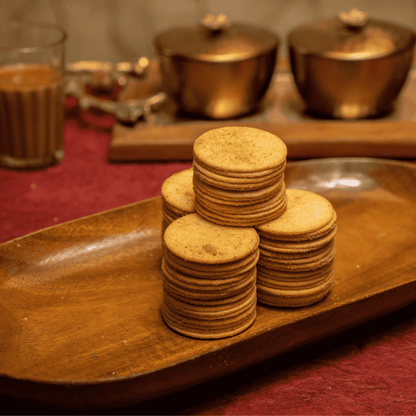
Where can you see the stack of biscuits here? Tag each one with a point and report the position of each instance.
(209, 278)
(297, 252)
(178, 198)
(239, 176)
(234, 235)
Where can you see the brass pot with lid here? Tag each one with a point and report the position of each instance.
(351, 66)
(217, 69)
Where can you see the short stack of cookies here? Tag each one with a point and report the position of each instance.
(239, 176)
(178, 198)
(297, 252)
(209, 278)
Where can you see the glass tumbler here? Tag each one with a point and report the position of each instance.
(32, 97)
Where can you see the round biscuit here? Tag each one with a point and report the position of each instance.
(240, 149)
(234, 195)
(195, 239)
(213, 273)
(212, 307)
(236, 186)
(198, 316)
(297, 246)
(177, 191)
(283, 302)
(228, 329)
(238, 215)
(298, 258)
(211, 287)
(312, 265)
(306, 212)
(240, 222)
(240, 175)
(223, 302)
(215, 269)
(242, 178)
(294, 274)
(285, 284)
(201, 281)
(274, 202)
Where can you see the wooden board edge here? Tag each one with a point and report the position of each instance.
(321, 139)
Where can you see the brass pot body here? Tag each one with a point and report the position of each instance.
(218, 90)
(348, 85)
(217, 73)
(350, 89)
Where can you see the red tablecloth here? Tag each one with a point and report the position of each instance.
(83, 184)
(367, 370)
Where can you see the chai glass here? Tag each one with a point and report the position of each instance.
(32, 97)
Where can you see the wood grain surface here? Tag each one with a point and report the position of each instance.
(80, 302)
(166, 134)
(317, 139)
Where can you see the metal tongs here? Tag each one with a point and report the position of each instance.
(103, 76)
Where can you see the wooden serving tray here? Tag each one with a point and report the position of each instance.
(80, 302)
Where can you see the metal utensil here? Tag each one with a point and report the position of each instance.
(103, 76)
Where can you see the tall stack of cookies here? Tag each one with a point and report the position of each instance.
(239, 176)
(209, 278)
(297, 249)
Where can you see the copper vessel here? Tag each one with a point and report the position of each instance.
(351, 66)
(216, 69)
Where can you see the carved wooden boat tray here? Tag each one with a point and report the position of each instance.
(80, 322)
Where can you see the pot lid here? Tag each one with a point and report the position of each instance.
(215, 39)
(351, 36)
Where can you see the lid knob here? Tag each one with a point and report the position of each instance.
(216, 23)
(354, 19)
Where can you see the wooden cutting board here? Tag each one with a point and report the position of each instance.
(166, 135)
(387, 139)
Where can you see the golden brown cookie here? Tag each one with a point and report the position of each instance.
(306, 214)
(292, 275)
(242, 178)
(240, 149)
(241, 219)
(294, 298)
(251, 196)
(284, 246)
(276, 202)
(195, 239)
(231, 268)
(178, 197)
(220, 326)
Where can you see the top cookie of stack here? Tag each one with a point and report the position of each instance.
(178, 198)
(239, 176)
